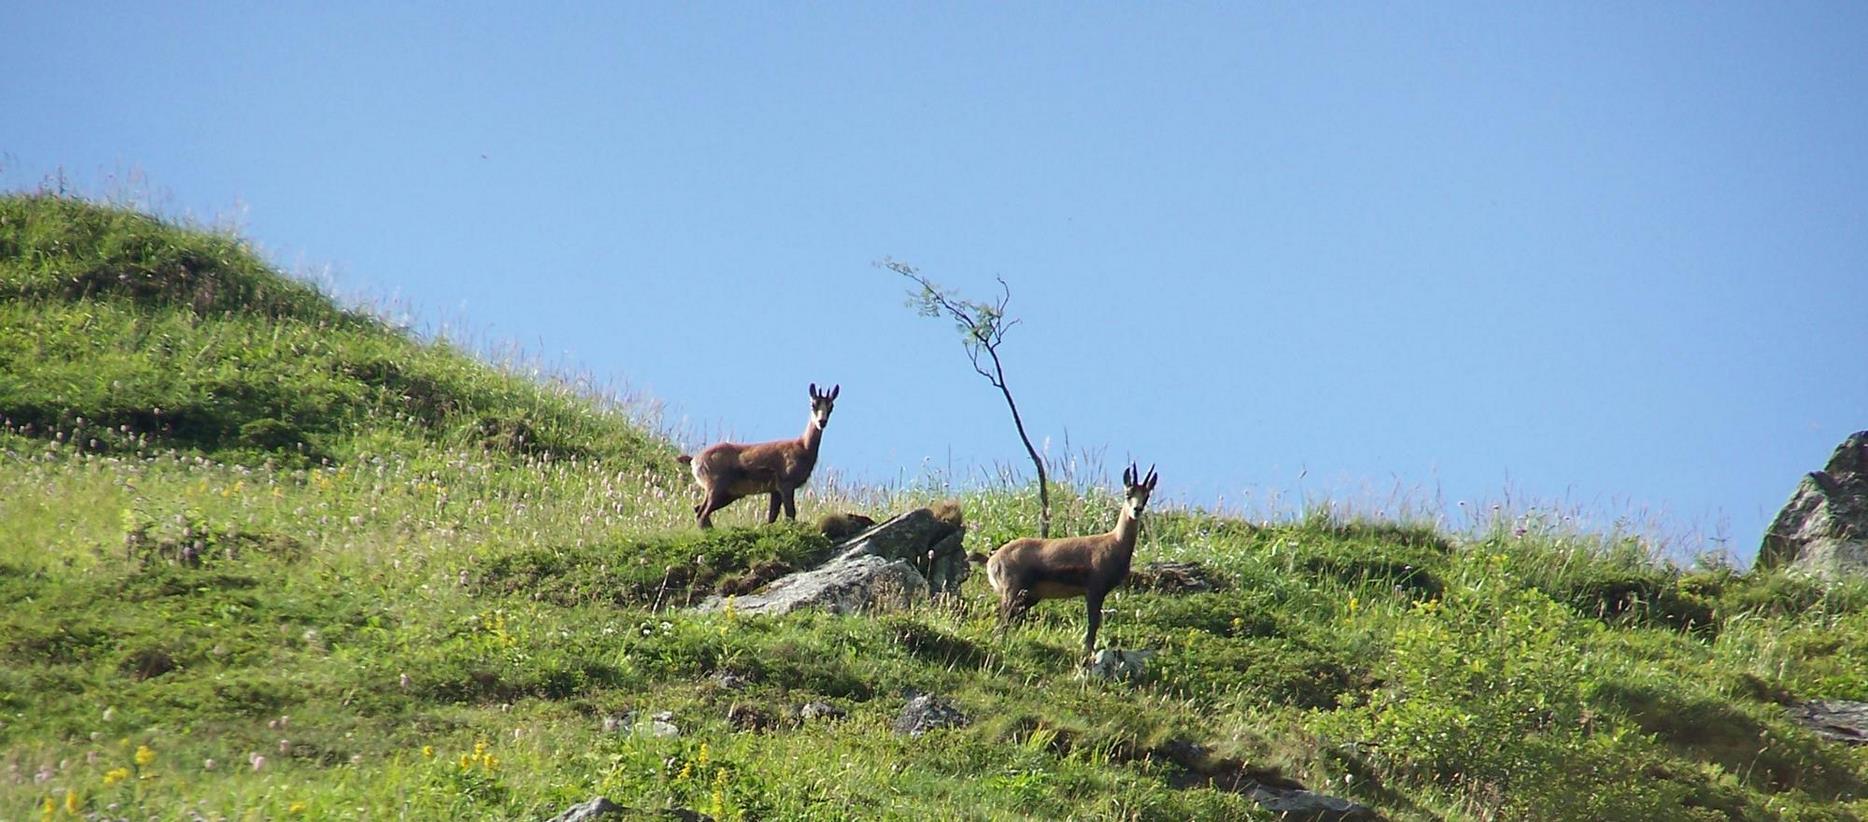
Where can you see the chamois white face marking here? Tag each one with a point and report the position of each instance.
(1138, 491)
(821, 405)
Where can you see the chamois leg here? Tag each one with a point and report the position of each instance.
(1012, 606)
(717, 498)
(791, 504)
(1094, 600)
(771, 511)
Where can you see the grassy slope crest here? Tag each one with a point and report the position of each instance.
(261, 555)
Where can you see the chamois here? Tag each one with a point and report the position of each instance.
(728, 471)
(1024, 571)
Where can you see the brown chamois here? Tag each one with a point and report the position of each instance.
(1024, 571)
(727, 471)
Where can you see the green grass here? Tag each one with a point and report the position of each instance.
(237, 522)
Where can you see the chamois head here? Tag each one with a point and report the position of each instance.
(821, 405)
(1138, 490)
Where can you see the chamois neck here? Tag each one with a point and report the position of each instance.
(812, 435)
(1127, 527)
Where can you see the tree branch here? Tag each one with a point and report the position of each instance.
(982, 327)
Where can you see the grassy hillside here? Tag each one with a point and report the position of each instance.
(261, 557)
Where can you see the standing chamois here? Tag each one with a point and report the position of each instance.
(1024, 571)
(727, 471)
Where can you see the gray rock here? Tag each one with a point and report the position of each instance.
(1118, 664)
(845, 585)
(1295, 804)
(603, 808)
(884, 566)
(1837, 719)
(1824, 527)
(1270, 789)
(946, 565)
(933, 546)
(927, 712)
(658, 725)
(730, 680)
(821, 710)
(905, 536)
(594, 809)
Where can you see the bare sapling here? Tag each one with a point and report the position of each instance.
(982, 327)
(1025, 571)
(727, 471)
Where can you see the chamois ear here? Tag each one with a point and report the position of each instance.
(1152, 479)
(834, 391)
(813, 390)
(1128, 476)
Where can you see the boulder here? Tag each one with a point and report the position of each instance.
(602, 808)
(927, 712)
(848, 584)
(1824, 527)
(1310, 805)
(923, 538)
(1273, 791)
(658, 725)
(900, 561)
(821, 710)
(594, 809)
(1837, 719)
(1118, 664)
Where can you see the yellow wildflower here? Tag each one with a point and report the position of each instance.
(72, 805)
(144, 756)
(428, 751)
(49, 808)
(115, 775)
(702, 759)
(719, 794)
(298, 807)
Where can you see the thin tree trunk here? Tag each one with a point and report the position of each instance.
(1044, 494)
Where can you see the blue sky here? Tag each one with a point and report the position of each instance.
(1582, 254)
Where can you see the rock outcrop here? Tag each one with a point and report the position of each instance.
(929, 541)
(1838, 719)
(897, 563)
(1824, 528)
(846, 585)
